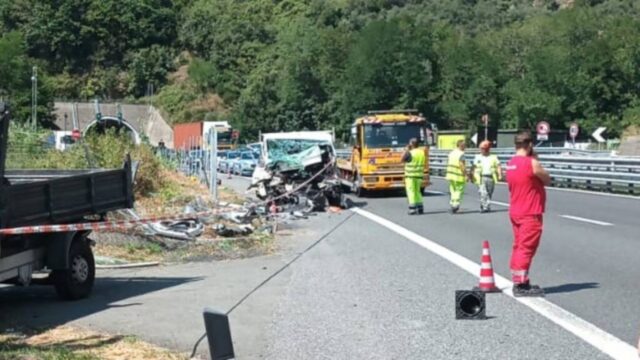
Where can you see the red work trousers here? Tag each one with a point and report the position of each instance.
(527, 231)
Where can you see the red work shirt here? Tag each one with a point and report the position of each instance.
(527, 193)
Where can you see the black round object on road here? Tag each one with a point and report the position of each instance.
(470, 304)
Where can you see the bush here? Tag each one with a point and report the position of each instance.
(29, 149)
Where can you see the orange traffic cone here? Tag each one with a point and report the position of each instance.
(487, 281)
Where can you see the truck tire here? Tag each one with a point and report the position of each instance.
(76, 282)
(357, 188)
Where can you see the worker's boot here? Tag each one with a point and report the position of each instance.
(454, 209)
(527, 290)
(413, 210)
(420, 209)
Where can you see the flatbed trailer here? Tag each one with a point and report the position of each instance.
(45, 197)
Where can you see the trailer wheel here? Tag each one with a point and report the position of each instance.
(76, 282)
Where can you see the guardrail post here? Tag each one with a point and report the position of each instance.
(609, 187)
(631, 188)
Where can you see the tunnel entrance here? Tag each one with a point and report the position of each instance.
(110, 122)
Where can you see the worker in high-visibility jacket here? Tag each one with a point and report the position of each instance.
(457, 175)
(486, 173)
(414, 160)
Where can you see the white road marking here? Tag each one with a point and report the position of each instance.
(581, 328)
(577, 218)
(499, 203)
(434, 192)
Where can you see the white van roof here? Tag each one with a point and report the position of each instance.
(302, 135)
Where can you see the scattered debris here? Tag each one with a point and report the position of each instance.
(232, 231)
(300, 175)
(181, 230)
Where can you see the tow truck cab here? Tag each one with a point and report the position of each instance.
(378, 141)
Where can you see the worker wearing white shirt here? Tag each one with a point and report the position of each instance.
(486, 172)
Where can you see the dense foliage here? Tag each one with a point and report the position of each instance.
(31, 149)
(295, 64)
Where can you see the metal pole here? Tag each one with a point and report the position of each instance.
(213, 160)
(486, 131)
(74, 116)
(34, 97)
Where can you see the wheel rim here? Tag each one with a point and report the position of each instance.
(79, 269)
(355, 186)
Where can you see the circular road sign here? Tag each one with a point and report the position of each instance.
(543, 128)
(574, 129)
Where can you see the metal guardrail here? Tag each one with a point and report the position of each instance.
(569, 168)
(586, 171)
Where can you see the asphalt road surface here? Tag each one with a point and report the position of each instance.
(587, 263)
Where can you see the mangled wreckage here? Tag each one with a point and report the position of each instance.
(298, 168)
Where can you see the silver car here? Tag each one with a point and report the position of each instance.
(225, 165)
(245, 164)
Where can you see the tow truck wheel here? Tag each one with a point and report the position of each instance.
(357, 189)
(76, 282)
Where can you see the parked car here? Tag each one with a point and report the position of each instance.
(225, 165)
(222, 155)
(245, 164)
(256, 148)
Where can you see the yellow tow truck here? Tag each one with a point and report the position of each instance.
(378, 140)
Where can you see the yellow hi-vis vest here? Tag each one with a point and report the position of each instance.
(454, 173)
(493, 160)
(415, 168)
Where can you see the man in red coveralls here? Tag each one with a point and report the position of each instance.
(526, 179)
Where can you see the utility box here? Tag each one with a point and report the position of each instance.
(447, 140)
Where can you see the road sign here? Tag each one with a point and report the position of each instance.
(598, 134)
(474, 138)
(543, 130)
(574, 129)
(76, 135)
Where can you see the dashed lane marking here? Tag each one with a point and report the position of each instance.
(590, 221)
(499, 203)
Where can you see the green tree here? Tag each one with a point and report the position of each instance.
(15, 87)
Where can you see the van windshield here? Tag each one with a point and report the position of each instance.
(392, 135)
(284, 147)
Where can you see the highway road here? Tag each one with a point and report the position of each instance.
(370, 292)
(375, 283)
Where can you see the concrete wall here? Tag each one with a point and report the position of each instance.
(144, 119)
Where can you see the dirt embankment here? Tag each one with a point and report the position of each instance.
(69, 343)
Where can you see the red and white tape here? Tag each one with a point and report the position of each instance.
(125, 224)
(105, 225)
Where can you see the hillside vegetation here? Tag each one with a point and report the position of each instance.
(294, 64)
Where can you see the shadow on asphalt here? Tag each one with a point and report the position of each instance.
(463, 212)
(351, 204)
(566, 288)
(38, 306)
(397, 194)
